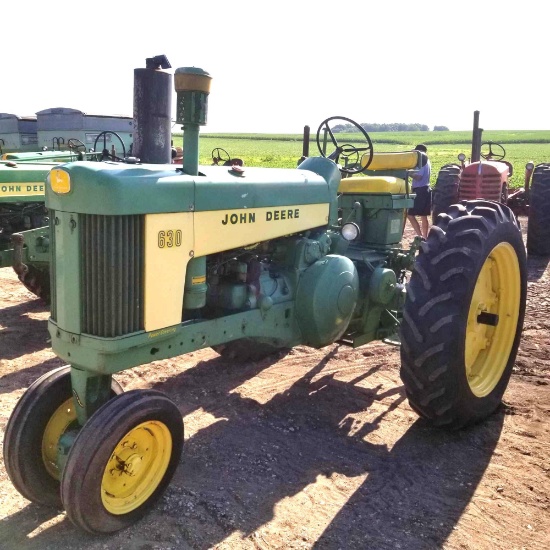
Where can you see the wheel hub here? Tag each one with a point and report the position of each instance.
(136, 467)
(58, 424)
(492, 319)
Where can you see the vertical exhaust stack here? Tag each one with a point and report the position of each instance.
(305, 145)
(192, 88)
(476, 139)
(153, 112)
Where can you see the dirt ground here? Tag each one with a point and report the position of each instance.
(314, 449)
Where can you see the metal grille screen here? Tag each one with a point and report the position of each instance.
(112, 274)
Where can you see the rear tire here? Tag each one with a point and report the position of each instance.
(538, 227)
(445, 191)
(463, 314)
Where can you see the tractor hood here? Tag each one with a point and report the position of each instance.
(23, 182)
(119, 189)
(486, 167)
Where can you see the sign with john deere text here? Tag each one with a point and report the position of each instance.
(219, 230)
(22, 189)
(270, 215)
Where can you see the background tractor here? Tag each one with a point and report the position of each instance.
(22, 209)
(24, 232)
(484, 176)
(151, 261)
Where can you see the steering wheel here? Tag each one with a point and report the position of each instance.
(492, 155)
(347, 151)
(219, 155)
(106, 154)
(76, 144)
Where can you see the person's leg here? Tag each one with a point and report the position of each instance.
(425, 226)
(415, 225)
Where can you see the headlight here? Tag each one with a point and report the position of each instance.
(350, 231)
(461, 157)
(530, 166)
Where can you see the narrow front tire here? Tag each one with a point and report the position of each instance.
(121, 461)
(42, 415)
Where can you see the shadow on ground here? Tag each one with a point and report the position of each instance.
(17, 338)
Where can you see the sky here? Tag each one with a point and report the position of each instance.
(278, 66)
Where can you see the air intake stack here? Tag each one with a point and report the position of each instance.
(192, 87)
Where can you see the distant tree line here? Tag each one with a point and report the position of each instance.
(393, 127)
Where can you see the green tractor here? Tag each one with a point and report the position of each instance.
(152, 261)
(22, 209)
(24, 232)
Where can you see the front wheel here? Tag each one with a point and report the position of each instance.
(463, 314)
(44, 413)
(121, 461)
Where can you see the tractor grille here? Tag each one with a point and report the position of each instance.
(487, 187)
(112, 260)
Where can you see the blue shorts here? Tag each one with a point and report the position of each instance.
(422, 202)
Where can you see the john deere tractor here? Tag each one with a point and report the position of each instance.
(24, 232)
(22, 209)
(152, 261)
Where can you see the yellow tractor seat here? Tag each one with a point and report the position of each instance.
(402, 160)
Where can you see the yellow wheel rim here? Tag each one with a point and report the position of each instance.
(497, 293)
(136, 467)
(55, 428)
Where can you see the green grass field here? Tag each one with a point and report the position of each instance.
(284, 150)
